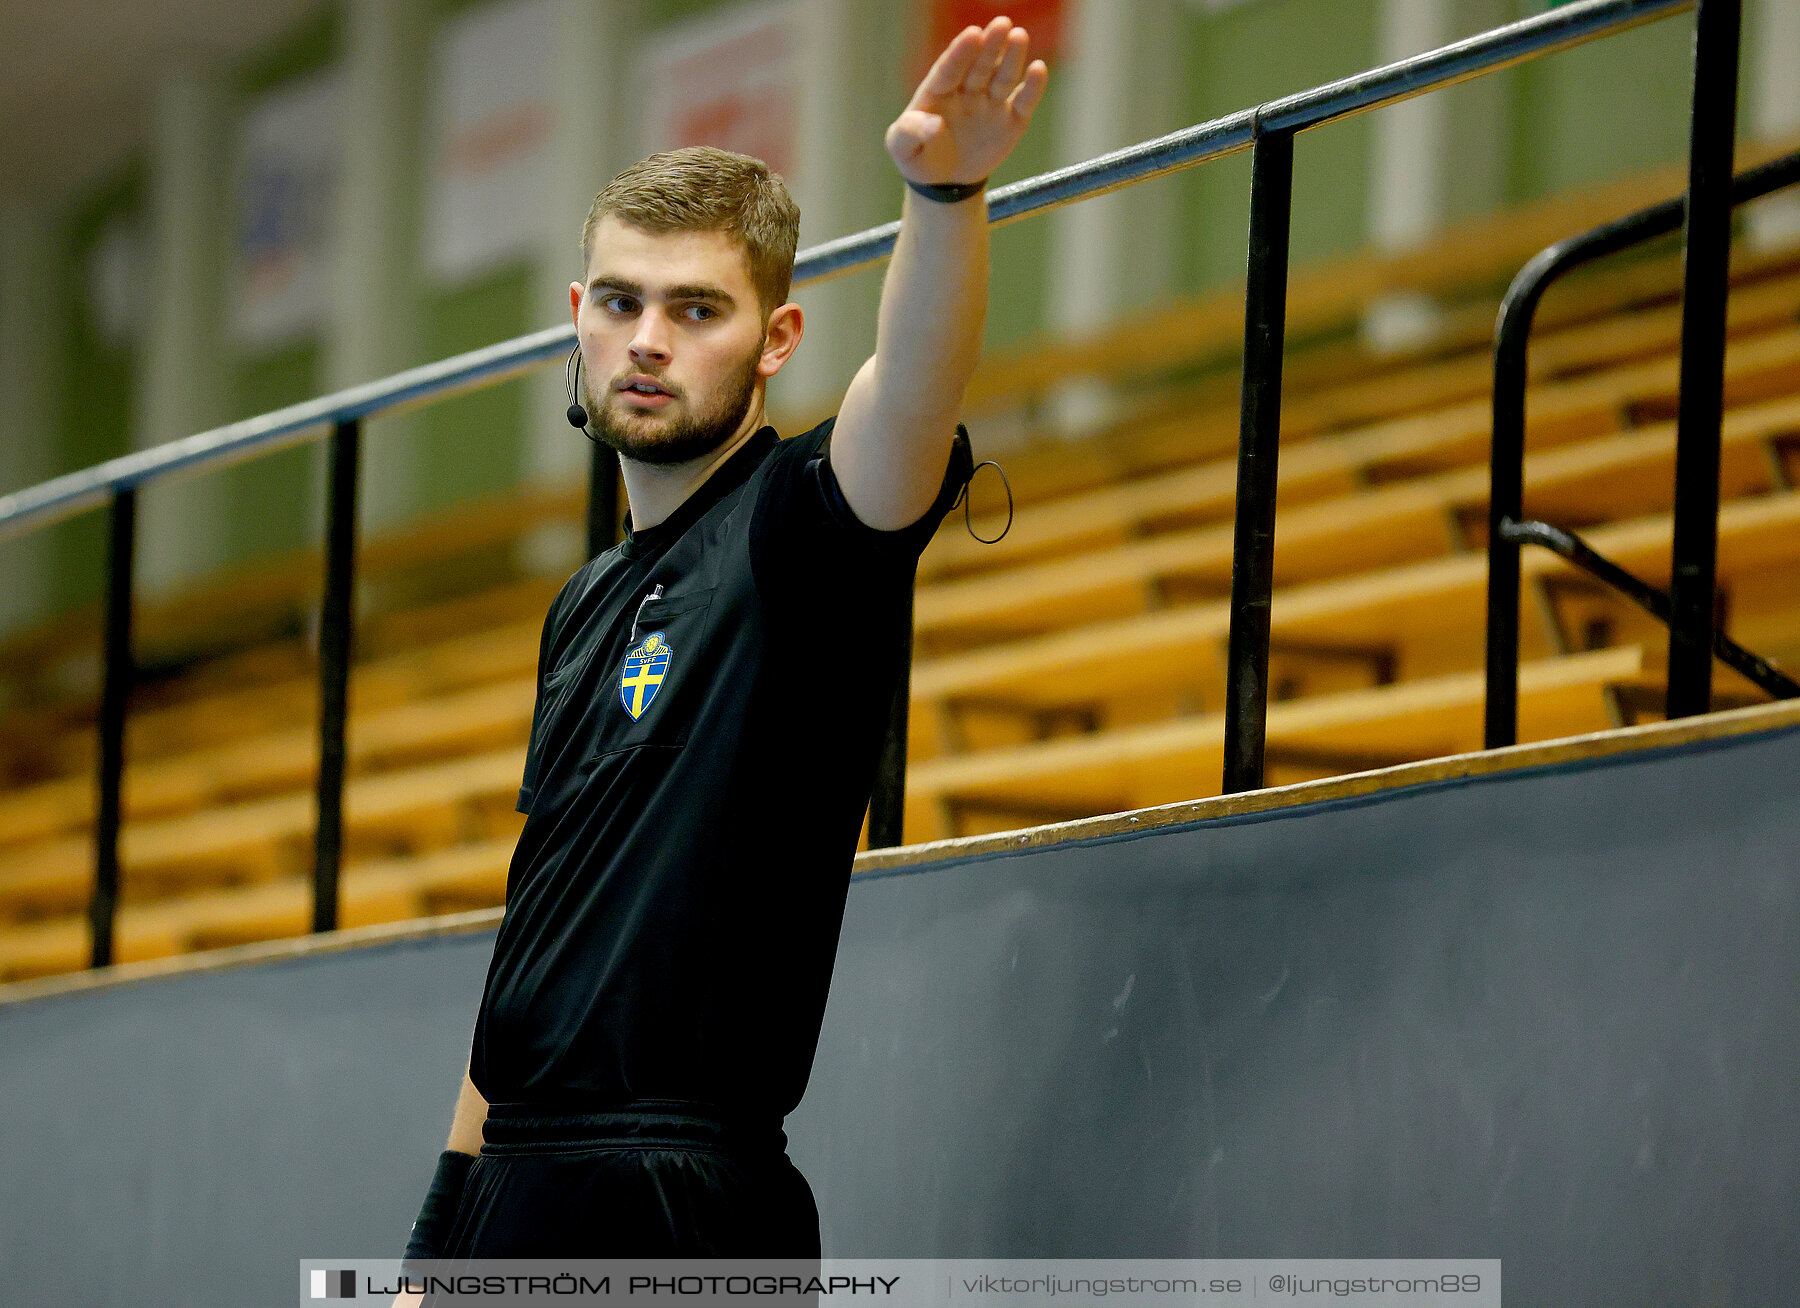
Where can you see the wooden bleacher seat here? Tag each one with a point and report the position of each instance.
(1563, 352)
(469, 686)
(444, 726)
(465, 876)
(1432, 611)
(1188, 423)
(1118, 511)
(417, 809)
(457, 643)
(256, 717)
(1758, 367)
(1432, 514)
(1181, 758)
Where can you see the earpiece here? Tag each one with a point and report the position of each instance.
(577, 415)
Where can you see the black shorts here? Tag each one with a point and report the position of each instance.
(655, 1178)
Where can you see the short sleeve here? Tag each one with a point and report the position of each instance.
(804, 532)
(546, 644)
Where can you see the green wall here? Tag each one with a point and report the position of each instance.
(1019, 252)
(95, 378)
(1602, 110)
(470, 446)
(1247, 56)
(269, 496)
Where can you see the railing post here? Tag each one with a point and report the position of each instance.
(887, 804)
(115, 691)
(335, 620)
(603, 499)
(1259, 437)
(1705, 282)
(1506, 460)
(1506, 499)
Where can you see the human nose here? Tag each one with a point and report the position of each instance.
(650, 342)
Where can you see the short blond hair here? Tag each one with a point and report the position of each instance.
(700, 188)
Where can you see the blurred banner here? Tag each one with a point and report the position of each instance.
(492, 115)
(1042, 19)
(286, 177)
(732, 81)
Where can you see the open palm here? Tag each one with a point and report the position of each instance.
(972, 107)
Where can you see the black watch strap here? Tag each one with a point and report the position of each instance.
(947, 192)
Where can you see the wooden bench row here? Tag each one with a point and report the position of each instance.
(414, 810)
(1558, 354)
(1182, 758)
(483, 718)
(448, 645)
(216, 737)
(389, 890)
(1760, 366)
(245, 712)
(1429, 617)
(1593, 480)
(1091, 773)
(1075, 667)
(428, 807)
(1189, 424)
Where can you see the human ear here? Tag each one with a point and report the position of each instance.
(575, 302)
(786, 325)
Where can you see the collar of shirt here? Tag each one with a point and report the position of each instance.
(726, 478)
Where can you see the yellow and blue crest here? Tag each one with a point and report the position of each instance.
(646, 667)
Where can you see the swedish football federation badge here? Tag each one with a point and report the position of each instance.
(646, 665)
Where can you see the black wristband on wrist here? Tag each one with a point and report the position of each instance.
(431, 1231)
(946, 192)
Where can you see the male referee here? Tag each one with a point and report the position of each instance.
(712, 695)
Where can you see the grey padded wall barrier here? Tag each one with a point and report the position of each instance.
(1547, 1016)
(188, 1141)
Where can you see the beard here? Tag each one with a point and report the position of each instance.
(650, 437)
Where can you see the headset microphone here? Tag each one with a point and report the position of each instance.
(577, 415)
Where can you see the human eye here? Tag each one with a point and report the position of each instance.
(706, 309)
(607, 302)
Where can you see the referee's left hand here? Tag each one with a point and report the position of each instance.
(972, 107)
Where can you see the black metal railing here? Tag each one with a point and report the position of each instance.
(1267, 130)
(1259, 448)
(1507, 528)
(1647, 597)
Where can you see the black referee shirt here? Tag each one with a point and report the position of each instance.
(712, 697)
